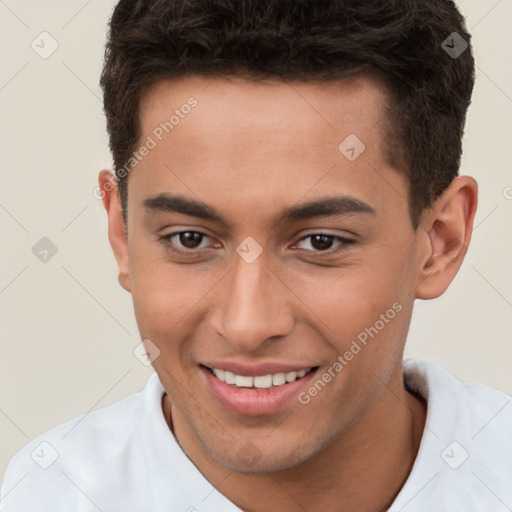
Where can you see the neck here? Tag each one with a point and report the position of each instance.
(364, 469)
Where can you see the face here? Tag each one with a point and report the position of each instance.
(259, 249)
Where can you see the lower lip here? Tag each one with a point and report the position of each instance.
(255, 402)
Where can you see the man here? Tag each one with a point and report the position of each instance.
(286, 186)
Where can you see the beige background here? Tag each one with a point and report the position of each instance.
(67, 328)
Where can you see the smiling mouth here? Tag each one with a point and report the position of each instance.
(271, 380)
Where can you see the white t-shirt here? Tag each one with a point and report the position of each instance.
(124, 458)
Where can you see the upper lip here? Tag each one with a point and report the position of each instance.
(253, 370)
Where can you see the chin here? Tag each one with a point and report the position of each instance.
(254, 458)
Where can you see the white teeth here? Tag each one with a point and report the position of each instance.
(278, 379)
(291, 376)
(220, 374)
(243, 382)
(229, 378)
(263, 381)
(260, 381)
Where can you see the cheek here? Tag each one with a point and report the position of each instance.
(166, 308)
(348, 299)
(363, 310)
(168, 297)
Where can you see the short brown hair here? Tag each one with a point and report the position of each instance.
(409, 44)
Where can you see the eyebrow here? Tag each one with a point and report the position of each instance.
(327, 206)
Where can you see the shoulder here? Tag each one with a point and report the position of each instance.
(52, 467)
(443, 391)
(465, 456)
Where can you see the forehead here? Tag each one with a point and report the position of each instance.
(324, 108)
(269, 139)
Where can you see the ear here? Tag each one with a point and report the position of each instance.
(447, 225)
(116, 228)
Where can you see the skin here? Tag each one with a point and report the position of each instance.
(249, 151)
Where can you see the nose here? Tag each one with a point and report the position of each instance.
(252, 306)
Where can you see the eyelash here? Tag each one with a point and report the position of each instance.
(344, 243)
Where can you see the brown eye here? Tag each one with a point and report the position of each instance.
(186, 241)
(321, 242)
(190, 239)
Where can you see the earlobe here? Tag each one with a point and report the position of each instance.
(116, 228)
(448, 227)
